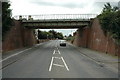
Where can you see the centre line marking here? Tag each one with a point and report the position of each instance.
(51, 64)
(65, 63)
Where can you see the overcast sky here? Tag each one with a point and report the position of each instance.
(36, 7)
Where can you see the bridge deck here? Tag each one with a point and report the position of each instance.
(56, 24)
(56, 21)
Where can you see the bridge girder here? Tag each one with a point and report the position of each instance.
(56, 24)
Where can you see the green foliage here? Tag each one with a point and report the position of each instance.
(6, 18)
(49, 35)
(56, 34)
(110, 21)
(59, 35)
(70, 38)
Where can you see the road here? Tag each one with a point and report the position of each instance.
(49, 60)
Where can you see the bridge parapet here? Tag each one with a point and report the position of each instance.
(55, 16)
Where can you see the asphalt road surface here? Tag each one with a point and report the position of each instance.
(49, 60)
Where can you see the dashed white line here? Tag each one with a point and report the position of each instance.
(15, 54)
(51, 64)
(65, 63)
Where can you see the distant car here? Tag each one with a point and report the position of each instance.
(62, 43)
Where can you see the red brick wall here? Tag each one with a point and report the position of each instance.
(81, 37)
(77, 40)
(18, 37)
(93, 37)
(29, 38)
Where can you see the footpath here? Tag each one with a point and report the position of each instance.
(103, 58)
(108, 60)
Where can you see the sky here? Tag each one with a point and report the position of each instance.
(37, 7)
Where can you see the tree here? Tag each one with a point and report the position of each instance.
(109, 8)
(39, 34)
(110, 21)
(60, 35)
(70, 35)
(49, 35)
(42, 34)
(6, 18)
(54, 33)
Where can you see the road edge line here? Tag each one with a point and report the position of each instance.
(15, 54)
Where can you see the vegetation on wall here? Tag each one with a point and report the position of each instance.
(6, 18)
(110, 21)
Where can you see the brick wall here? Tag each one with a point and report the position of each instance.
(81, 37)
(18, 37)
(93, 37)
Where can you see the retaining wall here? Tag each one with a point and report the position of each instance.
(18, 37)
(93, 37)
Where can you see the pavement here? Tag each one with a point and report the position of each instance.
(49, 60)
(101, 57)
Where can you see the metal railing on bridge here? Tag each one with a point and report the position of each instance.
(55, 16)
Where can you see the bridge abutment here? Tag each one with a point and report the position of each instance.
(94, 38)
(81, 37)
(28, 37)
(18, 37)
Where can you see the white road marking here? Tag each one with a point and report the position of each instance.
(54, 52)
(58, 65)
(15, 54)
(57, 57)
(59, 52)
(51, 64)
(65, 63)
(52, 60)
